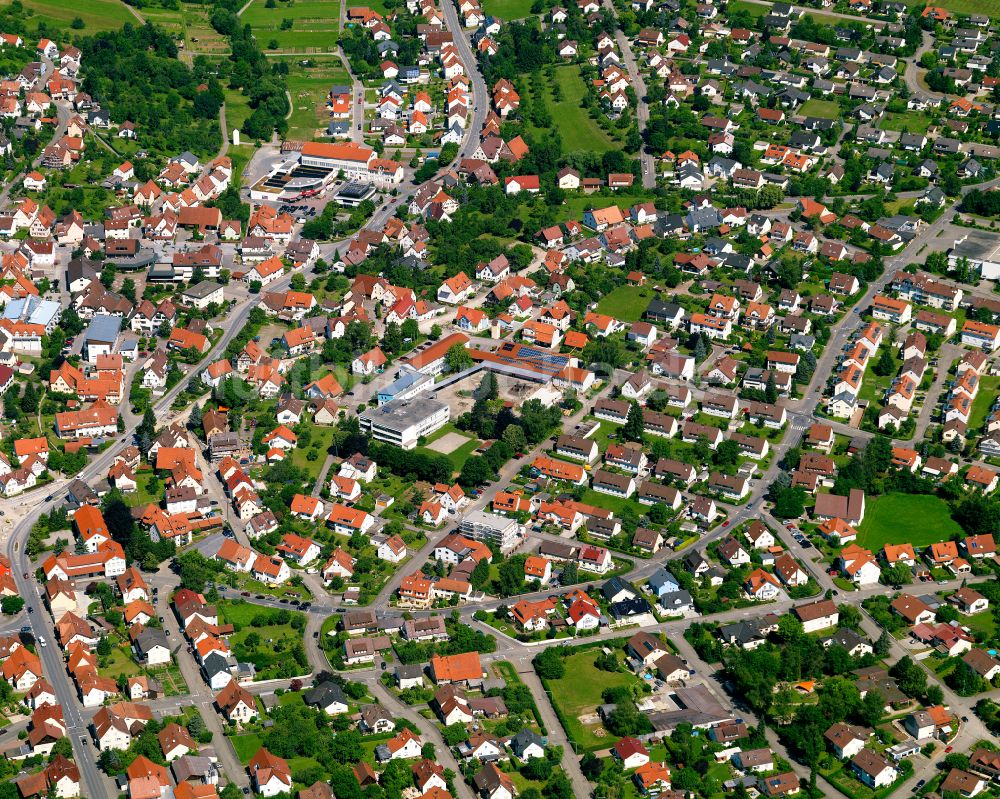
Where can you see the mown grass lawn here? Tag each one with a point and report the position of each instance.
(246, 746)
(608, 501)
(578, 131)
(120, 663)
(918, 519)
(910, 121)
(626, 303)
(579, 693)
(982, 622)
(458, 456)
(508, 9)
(988, 386)
(826, 109)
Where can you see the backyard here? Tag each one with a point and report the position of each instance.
(911, 122)
(918, 519)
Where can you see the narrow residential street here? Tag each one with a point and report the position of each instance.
(642, 108)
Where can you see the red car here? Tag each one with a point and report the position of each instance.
(947, 749)
(726, 523)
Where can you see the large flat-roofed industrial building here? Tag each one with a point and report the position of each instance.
(981, 248)
(348, 157)
(488, 527)
(403, 421)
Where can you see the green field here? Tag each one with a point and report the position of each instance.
(578, 694)
(271, 650)
(918, 519)
(753, 9)
(237, 110)
(459, 456)
(319, 442)
(989, 7)
(826, 109)
(246, 746)
(608, 501)
(982, 622)
(577, 129)
(315, 24)
(910, 121)
(508, 9)
(189, 23)
(309, 88)
(97, 15)
(575, 204)
(626, 303)
(988, 386)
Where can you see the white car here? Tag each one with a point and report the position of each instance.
(41, 641)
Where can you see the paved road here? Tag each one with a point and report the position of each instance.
(800, 10)
(642, 111)
(911, 74)
(480, 97)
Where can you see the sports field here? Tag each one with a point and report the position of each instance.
(918, 519)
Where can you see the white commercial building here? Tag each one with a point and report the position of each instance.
(404, 421)
(488, 527)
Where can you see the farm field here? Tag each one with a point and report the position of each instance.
(579, 693)
(97, 15)
(375, 5)
(315, 25)
(508, 9)
(919, 519)
(190, 26)
(626, 303)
